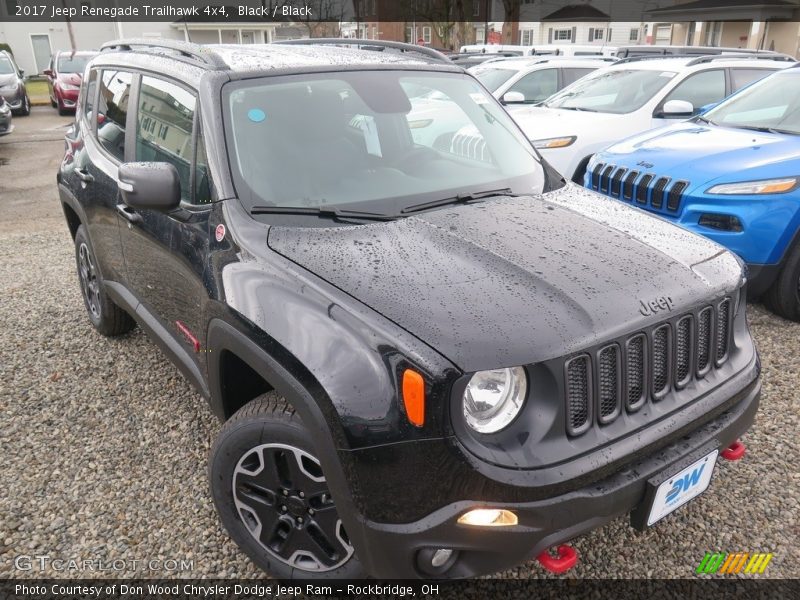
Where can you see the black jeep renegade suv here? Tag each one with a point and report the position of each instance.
(434, 357)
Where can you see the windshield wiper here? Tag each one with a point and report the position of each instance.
(704, 120)
(761, 129)
(458, 199)
(321, 211)
(579, 108)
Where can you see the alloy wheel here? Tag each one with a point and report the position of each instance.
(90, 286)
(283, 499)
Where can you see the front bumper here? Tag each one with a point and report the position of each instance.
(394, 550)
(6, 126)
(68, 98)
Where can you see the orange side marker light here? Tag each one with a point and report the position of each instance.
(414, 397)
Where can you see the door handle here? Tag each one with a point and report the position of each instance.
(83, 175)
(128, 213)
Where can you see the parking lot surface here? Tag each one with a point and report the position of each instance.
(103, 445)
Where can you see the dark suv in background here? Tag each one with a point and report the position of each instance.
(433, 360)
(12, 85)
(64, 75)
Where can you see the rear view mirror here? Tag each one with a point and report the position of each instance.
(150, 185)
(677, 108)
(513, 97)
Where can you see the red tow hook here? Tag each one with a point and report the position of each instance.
(566, 559)
(735, 451)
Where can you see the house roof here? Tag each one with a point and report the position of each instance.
(719, 9)
(577, 12)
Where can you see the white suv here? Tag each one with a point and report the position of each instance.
(531, 80)
(630, 97)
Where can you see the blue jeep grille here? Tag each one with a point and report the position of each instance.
(647, 189)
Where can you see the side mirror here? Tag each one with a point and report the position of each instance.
(513, 98)
(677, 108)
(150, 185)
(22, 73)
(47, 72)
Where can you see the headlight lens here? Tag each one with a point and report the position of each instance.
(549, 143)
(69, 87)
(494, 398)
(765, 186)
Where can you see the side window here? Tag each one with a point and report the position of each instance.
(538, 85)
(572, 75)
(112, 110)
(700, 89)
(742, 77)
(90, 96)
(164, 128)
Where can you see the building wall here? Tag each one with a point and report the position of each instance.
(615, 33)
(785, 37)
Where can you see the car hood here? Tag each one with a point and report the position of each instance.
(540, 123)
(8, 79)
(703, 153)
(69, 78)
(513, 281)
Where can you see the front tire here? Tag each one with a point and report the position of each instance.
(783, 297)
(25, 110)
(108, 318)
(272, 496)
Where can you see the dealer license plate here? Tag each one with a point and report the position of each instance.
(678, 489)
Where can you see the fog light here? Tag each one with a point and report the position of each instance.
(441, 556)
(488, 517)
(720, 222)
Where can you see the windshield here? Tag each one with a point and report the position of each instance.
(373, 141)
(612, 91)
(493, 78)
(6, 68)
(72, 64)
(772, 103)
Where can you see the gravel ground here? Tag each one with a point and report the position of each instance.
(103, 445)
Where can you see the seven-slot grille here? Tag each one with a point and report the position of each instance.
(599, 385)
(646, 189)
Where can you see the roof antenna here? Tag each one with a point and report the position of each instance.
(186, 30)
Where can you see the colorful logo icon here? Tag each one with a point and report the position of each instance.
(736, 562)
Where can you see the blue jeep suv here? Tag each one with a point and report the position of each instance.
(731, 174)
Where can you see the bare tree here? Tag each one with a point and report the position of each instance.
(511, 16)
(441, 15)
(325, 18)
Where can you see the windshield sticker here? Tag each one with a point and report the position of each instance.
(256, 115)
(479, 98)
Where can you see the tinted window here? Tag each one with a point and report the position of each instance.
(572, 75)
(164, 127)
(538, 85)
(742, 77)
(612, 90)
(700, 89)
(115, 89)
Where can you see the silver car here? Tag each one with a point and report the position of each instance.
(12, 85)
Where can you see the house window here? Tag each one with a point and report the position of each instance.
(526, 37)
(374, 7)
(374, 32)
(663, 35)
(598, 34)
(426, 34)
(562, 35)
(480, 35)
(634, 36)
(476, 8)
(713, 33)
(410, 39)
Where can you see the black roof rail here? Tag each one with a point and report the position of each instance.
(630, 59)
(377, 45)
(742, 56)
(187, 51)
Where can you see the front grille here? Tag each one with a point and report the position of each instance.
(645, 366)
(608, 388)
(579, 394)
(657, 192)
(683, 351)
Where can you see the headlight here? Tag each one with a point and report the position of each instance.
(765, 186)
(494, 398)
(559, 142)
(68, 87)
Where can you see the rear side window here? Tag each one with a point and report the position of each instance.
(538, 85)
(112, 111)
(572, 75)
(743, 77)
(164, 128)
(706, 87)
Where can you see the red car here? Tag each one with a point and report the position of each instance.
(64, 75)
